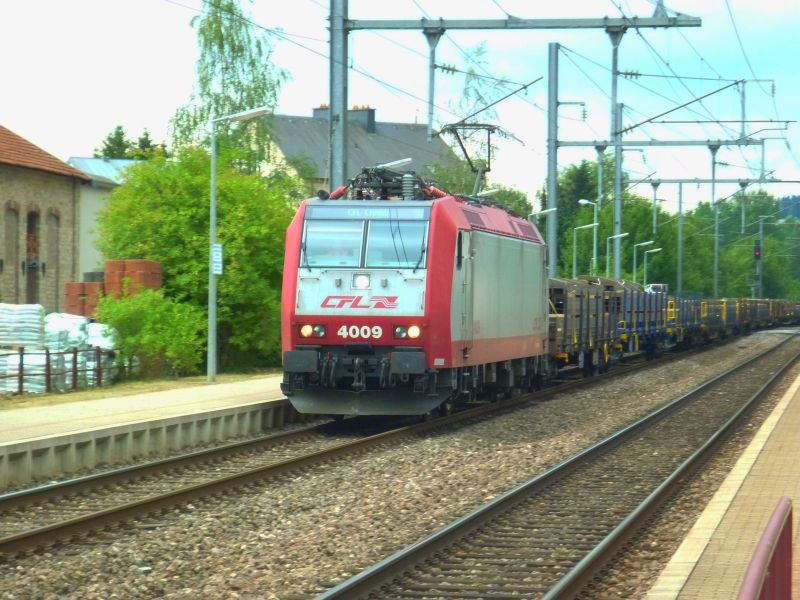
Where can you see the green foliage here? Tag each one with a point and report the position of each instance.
(737, 266)
(512, 200)
(165, 336)
(161, 212)
(454, 176)
(234, 74)
(115, 145)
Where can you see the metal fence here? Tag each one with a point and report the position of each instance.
(43, 371)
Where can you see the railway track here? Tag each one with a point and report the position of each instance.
(549, 536)
(43, 516)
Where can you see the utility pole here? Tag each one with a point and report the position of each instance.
(337, 108)
(655, 206)
(679, 286)
(433, 35)
(552, 159)
(713, 148)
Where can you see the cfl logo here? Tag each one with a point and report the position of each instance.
(387, 302)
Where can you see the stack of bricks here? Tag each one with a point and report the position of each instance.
(81, 298)
(138, 273)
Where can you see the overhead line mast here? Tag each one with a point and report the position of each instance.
(342, 25)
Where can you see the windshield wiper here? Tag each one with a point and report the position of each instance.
(421, 256)
(305, 256)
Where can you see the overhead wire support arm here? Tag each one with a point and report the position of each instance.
(498, 101)
(517, 23)
(685, 104)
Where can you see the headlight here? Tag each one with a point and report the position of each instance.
(312, 331)
(361, 281)
(403, 331)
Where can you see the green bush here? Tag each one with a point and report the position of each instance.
(165, 336)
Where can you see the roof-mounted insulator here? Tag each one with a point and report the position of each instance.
(435, 192)
(338, 192)
(409, 185)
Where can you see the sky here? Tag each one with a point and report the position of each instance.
(75, 69)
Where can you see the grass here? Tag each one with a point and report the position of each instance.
(126, 388)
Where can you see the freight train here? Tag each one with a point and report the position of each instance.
(401, 299)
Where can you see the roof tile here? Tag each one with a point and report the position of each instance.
(16, 150)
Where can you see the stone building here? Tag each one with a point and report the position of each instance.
(39, 203)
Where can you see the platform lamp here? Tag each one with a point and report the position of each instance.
(215, 250)
(575, 246)
(586, 202)
(647, 243)
(646, 252)
(546, 211)
(608, 250)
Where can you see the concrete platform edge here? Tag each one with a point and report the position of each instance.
(33, 459)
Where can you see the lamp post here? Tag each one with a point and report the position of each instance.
(646, 252)
(584, 202)
(540, 213)
(215, 250)
(655, 205)
(619, 236)
(647, 243)
(575, 246)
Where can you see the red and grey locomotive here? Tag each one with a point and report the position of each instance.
(401, 299)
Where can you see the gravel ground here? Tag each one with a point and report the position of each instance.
(295, 537)
(631, 575)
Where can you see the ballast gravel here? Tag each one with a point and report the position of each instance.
(293, 538)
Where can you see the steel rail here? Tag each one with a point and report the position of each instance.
(82, 525)
(580, 574)
(402, 561)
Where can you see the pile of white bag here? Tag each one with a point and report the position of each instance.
(72, 341)
(21, 325)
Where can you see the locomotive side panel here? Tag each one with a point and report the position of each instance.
(499, 299)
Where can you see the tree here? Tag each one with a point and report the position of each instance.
(234, 73)
(163, 335)
(161, 213)
(115, 145)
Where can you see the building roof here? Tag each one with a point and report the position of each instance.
(108, 172)
(308, 137)
(16, 150)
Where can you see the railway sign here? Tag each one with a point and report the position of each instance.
(216, 259)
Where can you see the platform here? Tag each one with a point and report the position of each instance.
(43, 441)
(712, 560)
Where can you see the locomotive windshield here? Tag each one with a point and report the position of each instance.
(365, 237)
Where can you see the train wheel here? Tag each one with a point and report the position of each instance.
(588, 365)
(445, 408)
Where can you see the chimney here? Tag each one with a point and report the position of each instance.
(364, 115)
(321, 112)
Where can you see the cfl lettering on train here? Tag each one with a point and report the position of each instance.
(389, 302)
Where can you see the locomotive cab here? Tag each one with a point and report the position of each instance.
(358, 321)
